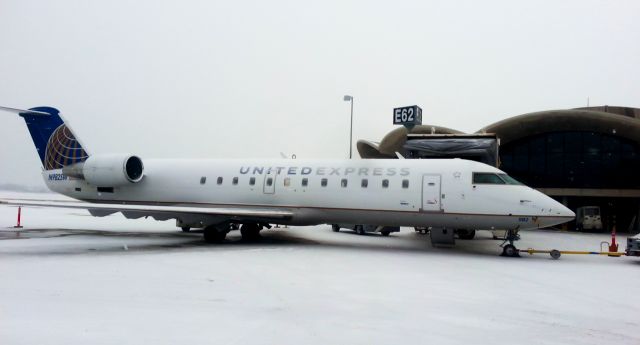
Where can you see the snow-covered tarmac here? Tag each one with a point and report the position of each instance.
(66, 278)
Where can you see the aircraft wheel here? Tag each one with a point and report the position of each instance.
(385, 233)
(213, 234)
(186, 229)
(510, 250)
(335, 227)
(250, 232)
(360, 230)
(466, 234)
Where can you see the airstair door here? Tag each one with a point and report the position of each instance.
(431, 192)
(270, 181)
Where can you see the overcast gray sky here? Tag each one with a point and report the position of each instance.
(254, 78)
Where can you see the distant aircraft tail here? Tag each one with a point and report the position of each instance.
(56, 144)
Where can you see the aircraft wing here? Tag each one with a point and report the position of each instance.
(169, 211)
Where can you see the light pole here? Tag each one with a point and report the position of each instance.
(348, 98)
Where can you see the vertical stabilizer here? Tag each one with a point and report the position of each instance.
(56, 144)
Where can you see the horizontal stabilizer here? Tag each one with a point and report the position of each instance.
(24, 111)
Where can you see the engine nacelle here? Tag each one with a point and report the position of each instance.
(108, 170)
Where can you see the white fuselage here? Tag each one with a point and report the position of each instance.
(435, 192)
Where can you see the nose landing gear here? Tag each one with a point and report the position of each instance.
(510, 250)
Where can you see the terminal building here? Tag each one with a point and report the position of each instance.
(581, 157)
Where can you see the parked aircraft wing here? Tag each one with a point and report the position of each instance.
(171, 211)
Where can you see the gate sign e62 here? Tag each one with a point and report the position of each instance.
(407, 116)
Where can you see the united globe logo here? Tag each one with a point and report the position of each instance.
(63, 149)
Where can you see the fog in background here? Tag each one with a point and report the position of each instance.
(206, 79)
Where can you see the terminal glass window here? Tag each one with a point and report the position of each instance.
(573, 159)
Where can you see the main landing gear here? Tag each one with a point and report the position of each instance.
(251, 231)
(216, 233)
(510, 250)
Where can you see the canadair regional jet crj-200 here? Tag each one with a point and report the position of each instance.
(217, 194)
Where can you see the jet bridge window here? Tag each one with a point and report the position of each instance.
(323, 182)
(364, 183)
(305, 182)
(385, 183)
(343, 183)
(405, 184)
(219, 180)
(487, 178)
(252, 181)
(235, 181)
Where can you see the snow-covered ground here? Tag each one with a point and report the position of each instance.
(66, 278)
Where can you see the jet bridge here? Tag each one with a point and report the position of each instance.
(478, 147)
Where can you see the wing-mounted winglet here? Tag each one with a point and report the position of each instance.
(24, 111)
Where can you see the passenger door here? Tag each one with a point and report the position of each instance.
(431, 193)
(269, 186)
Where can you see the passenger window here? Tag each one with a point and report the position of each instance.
(219, 180)
(364, 183)
(487, 178)
(203, 180)
(287, 182)
(323, 182)
(343, 183)
(252, 181)
(385, 183)
(405, 183)
(235, 181)
(269, 181)
(305, 182)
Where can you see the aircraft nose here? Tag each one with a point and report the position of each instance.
(566, 212)
(559, 210)
(558, 214)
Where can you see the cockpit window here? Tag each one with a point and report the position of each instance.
(492, 178)
(487, 178)
(510, 180)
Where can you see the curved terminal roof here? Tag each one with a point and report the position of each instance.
(620, 121)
